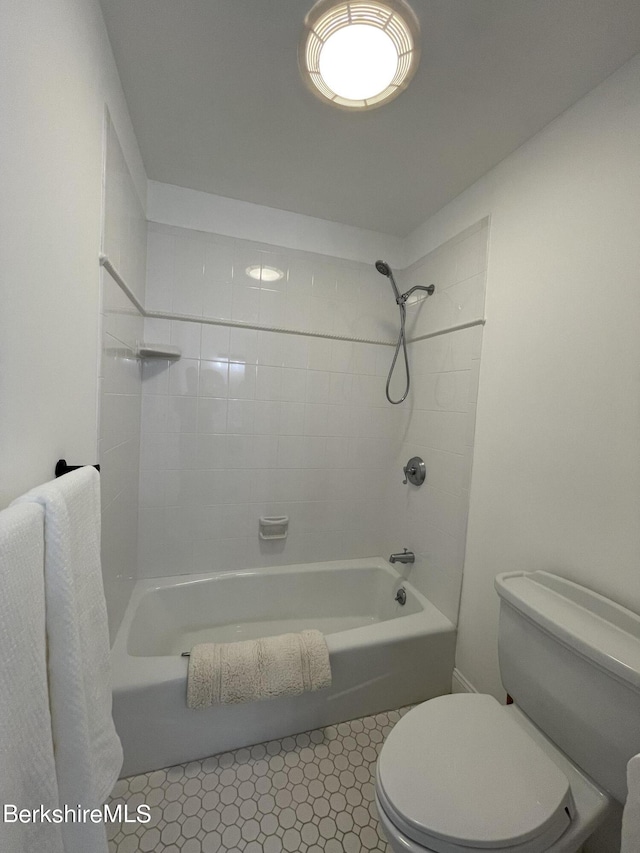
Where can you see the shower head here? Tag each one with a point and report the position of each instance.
(384, 269)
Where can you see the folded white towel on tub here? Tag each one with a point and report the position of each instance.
(230, 673)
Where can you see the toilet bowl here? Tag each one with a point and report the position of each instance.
(463, 773)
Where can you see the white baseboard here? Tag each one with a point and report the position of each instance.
(460, 684)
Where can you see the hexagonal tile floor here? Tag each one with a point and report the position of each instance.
(311, 793)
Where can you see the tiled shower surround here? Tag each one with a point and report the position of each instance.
(201, 274)
(251, 423)
(119, 447)
(305, 794)
(124, 241)
(432, 520)
(440, 426)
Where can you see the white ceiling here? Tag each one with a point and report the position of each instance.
(218, 105)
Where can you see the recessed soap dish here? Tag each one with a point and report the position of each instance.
(274, 527)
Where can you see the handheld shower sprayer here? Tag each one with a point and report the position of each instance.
(384, 269)
(401, 300)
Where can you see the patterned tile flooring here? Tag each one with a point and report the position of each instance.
(311, 793)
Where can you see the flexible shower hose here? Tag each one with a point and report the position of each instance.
(401, 340)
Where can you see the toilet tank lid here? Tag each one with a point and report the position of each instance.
(599, 629)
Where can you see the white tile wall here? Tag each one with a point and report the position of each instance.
(261, 423)
(124, 240)
(193, 272)
(431, 520)
(457, 268)
(252, 423)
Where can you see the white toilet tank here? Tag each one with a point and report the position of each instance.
(570, 659)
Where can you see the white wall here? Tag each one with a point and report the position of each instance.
(58, 72)
(124, 227)
(200, 211)
(556, 478)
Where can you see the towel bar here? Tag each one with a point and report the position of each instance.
(63, 468)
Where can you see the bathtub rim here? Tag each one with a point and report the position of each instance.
(129, 671)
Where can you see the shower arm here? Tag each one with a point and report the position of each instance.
(403, 297)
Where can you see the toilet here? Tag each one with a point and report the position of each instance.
(463, 773)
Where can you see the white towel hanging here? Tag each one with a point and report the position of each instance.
(27, 769)
(88, 753)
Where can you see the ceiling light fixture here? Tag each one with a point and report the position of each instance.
(359, 55)
(263, 273)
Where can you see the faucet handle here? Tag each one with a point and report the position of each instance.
(415, 471)
(410, 472)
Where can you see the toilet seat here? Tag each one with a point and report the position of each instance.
(458, 774)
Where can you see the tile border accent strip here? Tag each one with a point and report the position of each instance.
(457, 328)
(236, 324)
(115, 275)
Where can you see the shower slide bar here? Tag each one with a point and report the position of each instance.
(237, 324)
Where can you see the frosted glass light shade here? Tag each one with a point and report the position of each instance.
(359, 55)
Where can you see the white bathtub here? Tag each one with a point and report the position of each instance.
(383, 655)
